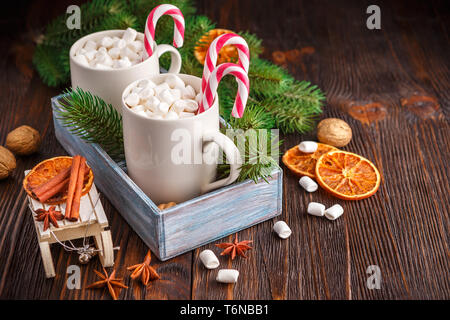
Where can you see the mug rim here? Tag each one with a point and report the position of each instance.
(197, 116)
(72, 53)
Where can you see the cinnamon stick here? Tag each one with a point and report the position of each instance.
(52, 183)
(72, 184)
(75, 210)
(55, 190)
(59, 188)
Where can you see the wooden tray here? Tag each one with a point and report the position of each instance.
(188, 225)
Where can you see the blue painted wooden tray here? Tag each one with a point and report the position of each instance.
(188, 225)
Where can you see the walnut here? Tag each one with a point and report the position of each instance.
(335, 132)
(23, 140)
(7, 163)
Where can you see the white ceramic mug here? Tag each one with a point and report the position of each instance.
(109, 84)
(152, 145)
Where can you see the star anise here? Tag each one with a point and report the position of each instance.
(144, 270)
(113, 284)
(234, 248)
(49, 216)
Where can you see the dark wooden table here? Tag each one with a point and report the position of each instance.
(391, 86)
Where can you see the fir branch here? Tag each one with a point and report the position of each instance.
(49, 65)
(267, 78)
(92, 119)
(253, 42)
(297, 108)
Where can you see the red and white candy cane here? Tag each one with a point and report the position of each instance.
(243, 88)
(216, 46)
(150, 26)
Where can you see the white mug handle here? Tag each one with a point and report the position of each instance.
(175, 64)
(233, 158)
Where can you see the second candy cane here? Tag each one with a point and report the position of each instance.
(216, 46)
(218, 73)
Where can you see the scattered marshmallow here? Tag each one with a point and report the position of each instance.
(209, 259)
(115, 52)
(171, 115)
(282, 229)
(308, 146)
(316, 209)
(334, 212)
(308, 184)
(227, 276)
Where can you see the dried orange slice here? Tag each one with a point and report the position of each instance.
(46, 170)
(227, 53)
(304, 164)
(347, 175)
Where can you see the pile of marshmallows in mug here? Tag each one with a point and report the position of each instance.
(170, 100)
(112, 53)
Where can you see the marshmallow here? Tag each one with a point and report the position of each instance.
(129, 35)
(282, 229)
(191, 106)
(209, 259)
(122, 63)
(102, 50)
(82, 51)
(146, 83)
(176, 93)
(334, 212)
(146, 93)
(174, 81)
(90, 45)
(163, 107)
(136, 46)
(152, 104)
(148, 113)
(178, 106)
(308, 146)
(316, 209)
(166, 96)
(138, 108)
(188, 93)
(114, 53)
(198, 97)
(103, 58)
(132, 100)
(136, 90)
(227, 275)
(90, 55)
(107, 42)
(156, 116)
(81, 59)
(159, 88)
(308, 184)
(171, 115)
(127, 52)
(120, 44)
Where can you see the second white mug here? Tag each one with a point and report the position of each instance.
(176, 160)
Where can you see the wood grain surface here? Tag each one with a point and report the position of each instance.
(390, 85)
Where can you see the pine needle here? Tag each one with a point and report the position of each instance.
(92, 119)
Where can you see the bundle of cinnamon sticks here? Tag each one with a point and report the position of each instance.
(72, 179)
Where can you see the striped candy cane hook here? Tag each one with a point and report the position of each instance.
(152, 20)
(243, 88)
(213, 53)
